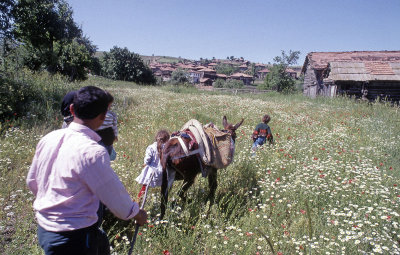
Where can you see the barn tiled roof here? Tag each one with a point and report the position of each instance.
(364, 71)
(320, 60)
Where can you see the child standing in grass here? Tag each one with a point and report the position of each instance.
(109, 130)
(152, 163)
(262, 132)
(65, 104)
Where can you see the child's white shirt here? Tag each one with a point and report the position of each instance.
(153, 164)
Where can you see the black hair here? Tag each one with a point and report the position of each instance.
(110, 97)
(89, 102)
(66, 102)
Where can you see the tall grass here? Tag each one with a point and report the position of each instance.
(328, 186)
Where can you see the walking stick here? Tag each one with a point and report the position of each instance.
(137, 225)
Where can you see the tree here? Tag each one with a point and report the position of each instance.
(121, 64)
(6, 35)
(234, 84)
(39, 25)
(278, 78)
(6, 19)
(179, 76)
(225, 69)
(50, 39)
(219, 83)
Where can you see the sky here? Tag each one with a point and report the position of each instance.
(257, 30)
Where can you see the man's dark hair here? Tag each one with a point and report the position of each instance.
(89, 102)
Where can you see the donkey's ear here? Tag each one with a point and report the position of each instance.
(224, 122)
(238, 124)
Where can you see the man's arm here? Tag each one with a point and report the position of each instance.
(103, 181)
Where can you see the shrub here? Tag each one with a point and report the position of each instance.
(234, 84)
(219, 83)
(31, 95)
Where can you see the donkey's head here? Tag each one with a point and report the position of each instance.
(231, 129)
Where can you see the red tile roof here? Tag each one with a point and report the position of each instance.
(379, 68)
(241, 75)
(320, 60)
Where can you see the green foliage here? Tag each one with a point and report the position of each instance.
(219, 83)
(278, 78)
(6, 18)
(179, 76)
(234, 84)
(31, 96)
(231, 84)
(121, 64)
(73, 60)
(328, 185)
(225, 69)
(50, 39)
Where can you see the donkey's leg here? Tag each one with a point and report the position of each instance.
(212, 184)
(164, 193)
(186, 185)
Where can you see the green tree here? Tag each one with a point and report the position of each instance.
(39, 25)
(50, 39)
(6, 35)
(219, 83)
(225, 69)
(179, 76)
(234, 84)
(278, 78)
(121, 64)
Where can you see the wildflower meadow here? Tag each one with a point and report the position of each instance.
(329, 184)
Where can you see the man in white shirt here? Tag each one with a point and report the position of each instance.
(70, 174)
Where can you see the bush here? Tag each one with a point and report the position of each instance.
(234, 84)
(179, 76)
(219, 83)
(31, 95)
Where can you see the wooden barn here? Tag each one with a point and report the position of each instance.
(362, 74)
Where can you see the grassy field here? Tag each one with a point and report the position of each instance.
(328, 186)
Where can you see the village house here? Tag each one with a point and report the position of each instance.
(242, 68)
(368, 75)
(212, 65)
(262, 73)
(247, 79)
(291, 72)
(222, 76)
(206, 82)
(194, 76)
(166, 73)
(208, 73)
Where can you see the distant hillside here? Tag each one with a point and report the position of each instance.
(161, 59)
(149, 59)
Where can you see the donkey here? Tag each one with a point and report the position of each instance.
(187, 167)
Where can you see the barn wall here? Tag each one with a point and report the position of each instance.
(387, 90)
(310, 82)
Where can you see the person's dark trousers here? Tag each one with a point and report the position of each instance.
(85, 241)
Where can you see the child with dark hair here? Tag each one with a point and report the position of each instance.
(109, 130)
(262, 132)
(152, 163)
(65, 104)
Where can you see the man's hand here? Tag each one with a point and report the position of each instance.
(141, 217)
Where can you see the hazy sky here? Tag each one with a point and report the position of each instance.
(255, 30)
